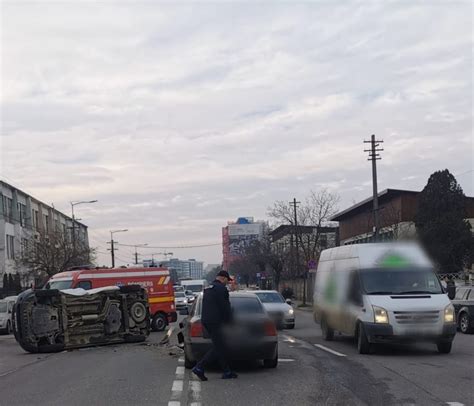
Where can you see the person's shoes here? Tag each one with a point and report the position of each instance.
(199, 373)
(229, 375)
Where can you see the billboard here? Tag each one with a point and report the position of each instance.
(239, 243)
(245, 229)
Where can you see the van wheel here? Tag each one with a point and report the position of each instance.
(328, 333)
(465, 324)
(159, 322)
(363, 345)
(444, 347)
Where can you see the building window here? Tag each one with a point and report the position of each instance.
(10, 247)
(35, 218)
(22, 214)
(46, 223)
(7, 208)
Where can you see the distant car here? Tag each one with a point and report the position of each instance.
(463, 304)
(191, 296)
(251, 336)
(277, 308)
(180, 300)
(6, 308)
(51, 320)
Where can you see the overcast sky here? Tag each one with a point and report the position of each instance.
(178, 118)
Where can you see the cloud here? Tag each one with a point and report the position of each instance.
(180, 117)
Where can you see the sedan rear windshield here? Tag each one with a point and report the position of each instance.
(60, 285)
(194, 288)
(246, 305)
(399, 281)
(270, 297)
(3, 307)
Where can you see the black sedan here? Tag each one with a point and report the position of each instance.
(464, 308)
(251, 336)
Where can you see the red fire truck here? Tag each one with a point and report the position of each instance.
(156, 281)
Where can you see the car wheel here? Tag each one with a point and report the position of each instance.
(444, 347)
(465, 324)
(290, 326)
(159, 322)
(188, 363)
(271, 363)
(363, 345)
(328, 333)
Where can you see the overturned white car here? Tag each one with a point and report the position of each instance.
(53, 320)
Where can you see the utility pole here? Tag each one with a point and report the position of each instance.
(136, 253)
(294, 203)
(112, 246)
(374, 157)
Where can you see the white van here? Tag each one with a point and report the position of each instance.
(382, 293)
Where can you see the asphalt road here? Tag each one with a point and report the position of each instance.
(138, 374)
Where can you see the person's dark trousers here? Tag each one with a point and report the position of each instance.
(218, 351)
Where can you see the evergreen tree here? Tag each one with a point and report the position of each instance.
(441, 224)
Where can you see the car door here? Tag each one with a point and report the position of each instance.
(458, 300)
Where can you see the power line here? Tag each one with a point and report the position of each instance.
(176, 247)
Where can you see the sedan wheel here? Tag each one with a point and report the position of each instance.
(465, 325)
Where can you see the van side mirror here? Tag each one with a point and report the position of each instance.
(451, 292)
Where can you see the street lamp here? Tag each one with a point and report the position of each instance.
(112, 249)
(74, 219)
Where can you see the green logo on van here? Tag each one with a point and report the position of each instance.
(392, 260)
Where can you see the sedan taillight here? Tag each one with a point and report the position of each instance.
(196, 329)
(270, 329)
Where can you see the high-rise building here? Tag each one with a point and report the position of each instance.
(237, 237)
(183, 269)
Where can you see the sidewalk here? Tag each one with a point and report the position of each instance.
(297, 305)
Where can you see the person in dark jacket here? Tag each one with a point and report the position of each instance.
(216, 312)
(287, 292)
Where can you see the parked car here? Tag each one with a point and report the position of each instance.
(277, 308)
(252, 334)
(6, 309)
(50, 320)
(464, 307)
(180, 300)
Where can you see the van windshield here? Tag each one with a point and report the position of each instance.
(194, 288)
(399, 281)
(60, 285)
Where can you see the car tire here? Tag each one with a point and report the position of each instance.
(465, 324)
(130, 288)
(444, 347)
(46, 293)
(271, 363)
(159, 322)
(327, 332)
(188, 363)
(363, 344)
(290, 326)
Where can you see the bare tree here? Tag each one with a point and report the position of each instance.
(48, 254)
(315, 212)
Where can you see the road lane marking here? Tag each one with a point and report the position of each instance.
(322, 347)
(177, 386)
(180, 372)
(195, 392)
(285, 360)
(455, 404)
